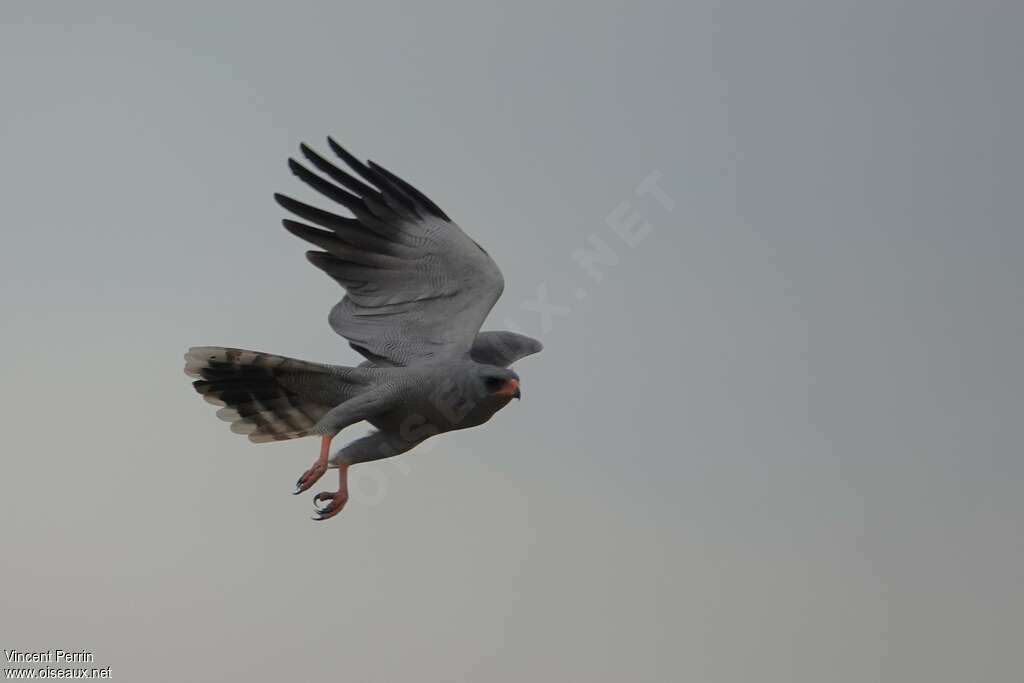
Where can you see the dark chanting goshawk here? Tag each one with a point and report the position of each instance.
(417, 291)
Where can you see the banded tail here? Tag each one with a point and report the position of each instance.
(268, 397)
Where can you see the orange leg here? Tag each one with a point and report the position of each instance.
(338, 498)
(314, 473)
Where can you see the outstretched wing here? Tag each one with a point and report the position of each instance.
(417, 287)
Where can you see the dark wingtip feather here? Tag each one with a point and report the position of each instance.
(310, 212)
(300, 229)
(321, 238)
(346, 156)
(392, 189)
(325, 187)
(340, 176)
(320, 259)
(304, 210)
(410, 191)
(371, 175)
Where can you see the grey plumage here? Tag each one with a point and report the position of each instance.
(502, 348)
(490, 348)
(417, 290)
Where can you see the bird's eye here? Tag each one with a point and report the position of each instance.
(494, 383)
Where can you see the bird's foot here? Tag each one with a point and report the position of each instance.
(338, 498)
(313, 474)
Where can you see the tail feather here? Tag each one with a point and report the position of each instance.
(266, 397)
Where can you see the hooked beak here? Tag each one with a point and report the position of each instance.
(511, 389)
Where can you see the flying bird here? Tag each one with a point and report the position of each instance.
(417, 290)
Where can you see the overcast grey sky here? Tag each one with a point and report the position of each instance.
(778, 440)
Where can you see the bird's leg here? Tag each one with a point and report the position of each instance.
(370, 447)
(338, 498)
(361, 407)
(314, 473)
